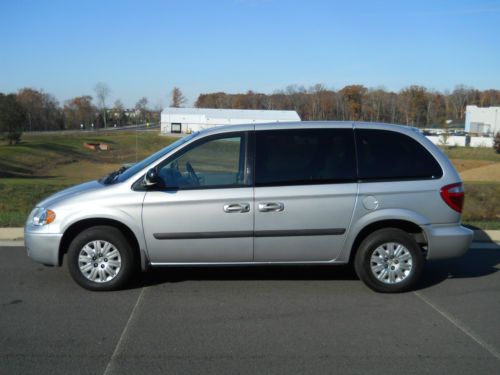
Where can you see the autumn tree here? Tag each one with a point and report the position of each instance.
(79, 111)
(12, 116)
(437, 110)
(413, 105)
(177, 98)
(414, 101)
(102, 91)
(489, 98)
(352, 99)
(42, 110)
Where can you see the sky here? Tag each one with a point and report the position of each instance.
(145, 48)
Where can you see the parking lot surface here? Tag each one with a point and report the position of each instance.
(251, 320)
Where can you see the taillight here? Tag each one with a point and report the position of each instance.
(453, 195)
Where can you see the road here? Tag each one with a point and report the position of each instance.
(276, 320)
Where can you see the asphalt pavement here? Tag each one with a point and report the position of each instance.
(265, 320)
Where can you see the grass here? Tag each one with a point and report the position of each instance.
(20, 199)
(482, 205)
(482, 198)
(42, 165)
(483, 224)
(472, 153)
(61, 158)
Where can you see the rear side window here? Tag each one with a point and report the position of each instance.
(304, 156)
(387, 155)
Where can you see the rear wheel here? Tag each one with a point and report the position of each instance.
(100, 258)
(389, 260)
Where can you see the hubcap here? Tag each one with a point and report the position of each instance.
(99, 261)
(391, 263)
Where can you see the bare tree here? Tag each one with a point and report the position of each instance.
(118, 112)
(141, 108)
(102, 91)
(178, 99)
(459, 98)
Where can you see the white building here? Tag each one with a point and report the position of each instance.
(186, 120)
(482, 120)
(453, 140)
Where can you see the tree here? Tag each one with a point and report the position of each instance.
(414, 105)
(489, 98)
(119, 112)
(459, 99)
(353, 101)
(42, 110)
(141, 108)
(79, 111)
(102, 91)
(373, 104)
(178, 99)
(12, 117)
(496, 144)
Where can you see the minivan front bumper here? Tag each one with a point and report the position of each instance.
(43, 247)
(447, 241)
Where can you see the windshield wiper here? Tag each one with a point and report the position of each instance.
(111, 177)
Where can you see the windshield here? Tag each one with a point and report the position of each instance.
(137, 167)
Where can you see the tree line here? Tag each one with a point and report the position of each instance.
(35, 110)
(413, 105)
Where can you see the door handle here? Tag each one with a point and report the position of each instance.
(271, 207)
(236, 207)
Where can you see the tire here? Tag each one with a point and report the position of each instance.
(100, 259)
(389, 261)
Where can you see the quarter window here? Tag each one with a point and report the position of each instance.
(388, 155)
(304, 156)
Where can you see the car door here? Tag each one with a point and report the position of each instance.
(203, 213)
(305, 192)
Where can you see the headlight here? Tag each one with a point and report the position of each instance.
(43, 216)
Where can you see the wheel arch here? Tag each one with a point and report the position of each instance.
(74, 229)
(408, 226)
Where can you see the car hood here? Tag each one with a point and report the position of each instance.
(70, 193)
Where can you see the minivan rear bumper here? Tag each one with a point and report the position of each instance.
(447, 241)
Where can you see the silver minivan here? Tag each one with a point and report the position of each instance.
(380, 196)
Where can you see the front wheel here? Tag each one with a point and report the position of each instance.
(389, 261)
(100, 258)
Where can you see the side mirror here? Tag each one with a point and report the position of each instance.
(151, 178)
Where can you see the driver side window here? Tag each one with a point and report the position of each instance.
(217, 162)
